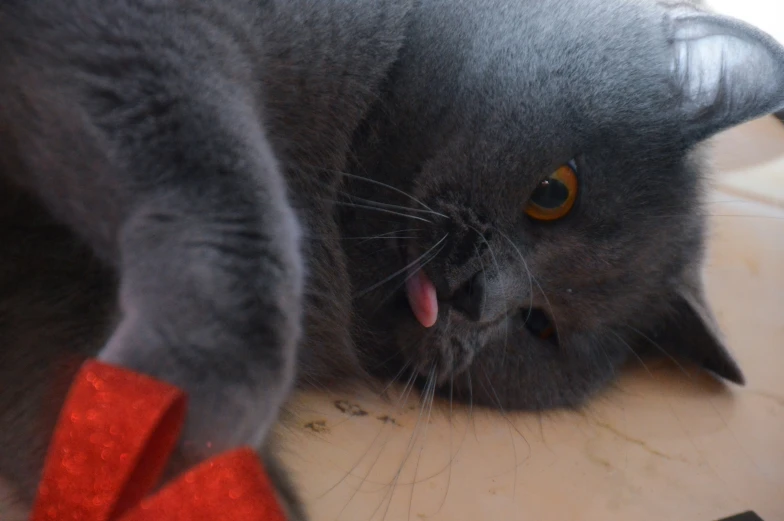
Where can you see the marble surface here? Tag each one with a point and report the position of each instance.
(666, 443)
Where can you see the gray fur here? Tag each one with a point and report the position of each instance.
(184, 183)
(602, 88)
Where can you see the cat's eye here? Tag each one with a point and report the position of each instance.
(538, 324)
(554, 197)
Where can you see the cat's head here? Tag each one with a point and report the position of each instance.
(542, 161)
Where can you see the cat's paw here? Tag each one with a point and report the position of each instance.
(232, 401)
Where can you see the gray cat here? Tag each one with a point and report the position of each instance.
(499, 197)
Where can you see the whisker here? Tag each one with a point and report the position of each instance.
(350, 471)
(393, 206)
(401, 284)
(401, 403)
(606, 356)
(406, 393)
(550, 307)
(471, 420)
(429, 397)
(531, 279)
(452, 454)
(401, 270)
(451, 433)
(510, 425)
(503, 289)
(409, 447)
(372, 181)
(388, 235)
(773, 217)
(388, 359)
(484, 273)
(390, 187)
(660, 348)
(632, 351)
(382, 210)
(394, 379)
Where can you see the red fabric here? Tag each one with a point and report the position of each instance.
(115, 434)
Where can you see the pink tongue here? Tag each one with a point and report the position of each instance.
(422, 298)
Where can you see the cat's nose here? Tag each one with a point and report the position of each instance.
(480, 299)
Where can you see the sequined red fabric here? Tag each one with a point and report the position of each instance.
(114, 437)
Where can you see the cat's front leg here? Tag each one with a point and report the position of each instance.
(181, 193)
(210, 292)
(151, 147)
(210, 273)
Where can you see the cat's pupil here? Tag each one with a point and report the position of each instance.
(551, 193)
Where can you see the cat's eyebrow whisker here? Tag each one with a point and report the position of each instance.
(686, 214)
(632, 351)
(382, 210)
(503, 289)
(484, 274)
(531, 279)
(661, 349)
(748, 216)
(404, 269)
(606, 356)
(550, 307)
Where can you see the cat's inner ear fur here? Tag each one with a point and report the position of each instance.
(726, 72)
(690, 332)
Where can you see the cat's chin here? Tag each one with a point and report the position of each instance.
(438, 353)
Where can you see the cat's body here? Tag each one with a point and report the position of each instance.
(304, 96)
(263, 178)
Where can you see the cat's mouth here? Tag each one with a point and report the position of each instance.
(420, 290)
(422, 297)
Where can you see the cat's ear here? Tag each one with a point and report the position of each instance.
(725, 71)
(691, 332)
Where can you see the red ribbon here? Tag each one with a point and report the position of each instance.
(115, 434)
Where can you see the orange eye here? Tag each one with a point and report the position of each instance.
(554, 196)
